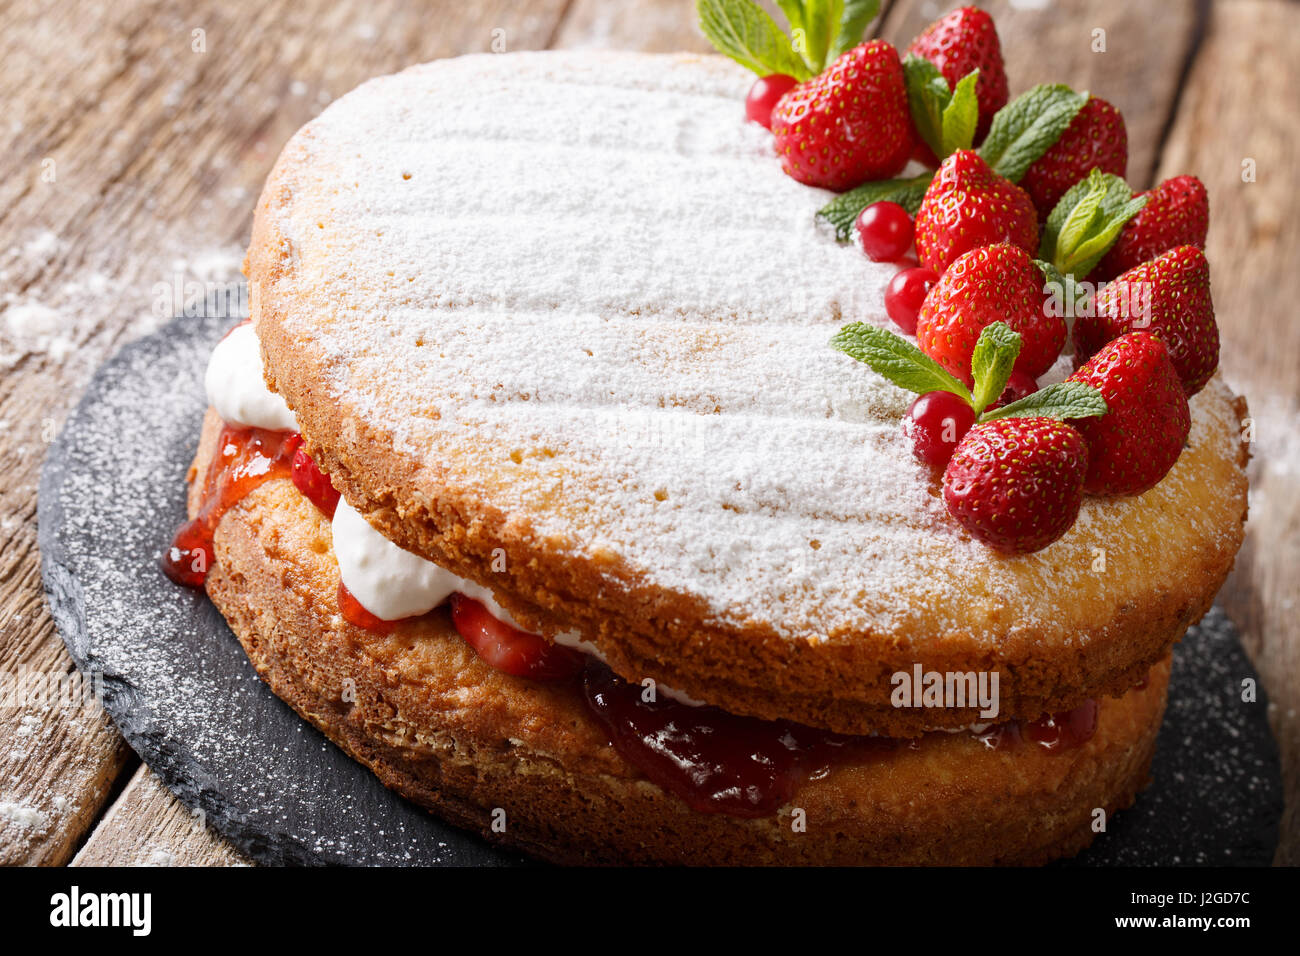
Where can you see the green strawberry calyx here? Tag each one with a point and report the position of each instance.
(820, 31)
(902, 363)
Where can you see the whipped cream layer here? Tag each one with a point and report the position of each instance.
(236, 385)
(391, 582)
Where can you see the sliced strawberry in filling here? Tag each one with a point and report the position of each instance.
(509, 649)
(314, 483)
(355, 613)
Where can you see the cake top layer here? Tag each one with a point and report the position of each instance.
(571, 300)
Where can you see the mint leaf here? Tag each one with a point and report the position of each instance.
(1062, 293)
(1061, 401)
(1051, 274)
(857, 16)
(927, 97)
(991, 362)
(793, 10)
(842, 211)
(945, 118)
(1027, 127)
(821, 23)
(743, 31)
(1086, 222)
(896, 359)
(961, 116)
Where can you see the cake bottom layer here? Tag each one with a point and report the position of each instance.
(528, 765)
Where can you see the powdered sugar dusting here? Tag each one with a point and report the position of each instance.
(592, 259)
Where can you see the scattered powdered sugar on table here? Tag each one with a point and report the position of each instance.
(22, 815)
(56, 300)
(595, 259)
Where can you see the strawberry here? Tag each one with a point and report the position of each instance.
(1095, 139)
(509, 649)
(998, 283)
(967, 205)
(1170, 297)
(313, 482)
(966, 40)
(1139, 438)
(849, 124)
(1016, 483)
(1177, 213)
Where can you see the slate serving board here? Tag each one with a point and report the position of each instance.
(180, 689)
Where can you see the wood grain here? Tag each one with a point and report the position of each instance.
(1251, 50)
(147, 826)
(135, 156)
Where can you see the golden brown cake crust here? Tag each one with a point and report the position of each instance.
(453, 734)
(1056, 631)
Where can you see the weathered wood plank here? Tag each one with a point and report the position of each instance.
(665, 26)
(147, 826)
(1231, 121)
(139, 134)
(1139, 71)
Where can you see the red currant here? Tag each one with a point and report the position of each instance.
(885, 231)
(764, 94)
(904, 295)
(936, 422)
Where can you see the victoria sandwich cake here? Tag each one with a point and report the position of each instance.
(632, 462)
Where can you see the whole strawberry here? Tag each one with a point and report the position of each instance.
(1095, 139)
(966, 40)
(848, 125)
(1177, 213)
(998, 283)
(1016, 483)
(966, 206)
(1144, 429)
(1169, 297)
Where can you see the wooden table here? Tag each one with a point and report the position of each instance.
(138, 135)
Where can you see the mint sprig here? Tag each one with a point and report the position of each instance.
(897, 359)
(992, 360)
(813, 24)
(1087, 221)
(842, 211)
(1061, 401)
(961, 116)
(1063, 292)
(820, 30)
(745, 32)
(855, 19)
(1024, 129)
(945, 118)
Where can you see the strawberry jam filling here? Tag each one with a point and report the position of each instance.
(719, 762)
(715, 761)
(245, 459)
